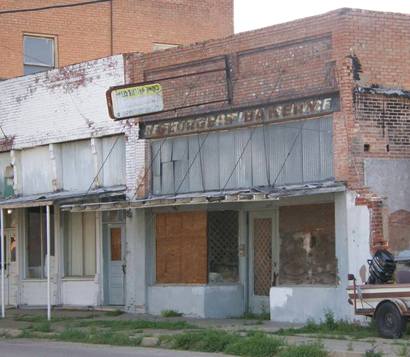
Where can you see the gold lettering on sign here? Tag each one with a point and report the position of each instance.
(264, 114)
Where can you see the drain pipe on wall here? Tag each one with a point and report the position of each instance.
(48, 262)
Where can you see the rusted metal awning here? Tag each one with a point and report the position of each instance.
(214, 197)
(61, 197)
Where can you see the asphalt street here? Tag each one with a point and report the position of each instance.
(35, 348)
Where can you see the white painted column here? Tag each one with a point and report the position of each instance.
(3, 302)
(48, 260)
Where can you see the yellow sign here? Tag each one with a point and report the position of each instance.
(126, 102)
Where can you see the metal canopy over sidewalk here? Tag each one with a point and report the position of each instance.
(211, 197)
(51, 198)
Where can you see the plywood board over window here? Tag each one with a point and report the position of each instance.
(181, 248)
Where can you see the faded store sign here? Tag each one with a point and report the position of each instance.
(259, 115)
(125, 102)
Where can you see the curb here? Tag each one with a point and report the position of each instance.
(345, 354)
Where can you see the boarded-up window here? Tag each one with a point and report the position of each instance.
(307, 244)
(181, 247)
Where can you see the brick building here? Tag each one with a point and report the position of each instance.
(279, 162)
(55, 35)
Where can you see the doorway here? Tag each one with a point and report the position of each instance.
(115, 264)
(263, 259)
(10, 266)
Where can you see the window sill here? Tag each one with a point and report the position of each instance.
(291, 286)
(79, 278)
(193, 284)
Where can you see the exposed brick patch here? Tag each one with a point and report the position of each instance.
(6, 144)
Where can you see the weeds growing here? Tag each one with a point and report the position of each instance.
(171, 313)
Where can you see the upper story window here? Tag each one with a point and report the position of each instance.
(39, 53)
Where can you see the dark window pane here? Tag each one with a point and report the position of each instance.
(223, 264)
(34, 246)
(39, 51)
(37, 241)
(115, 244)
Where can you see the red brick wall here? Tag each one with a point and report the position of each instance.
(309, 55)
(84, 32)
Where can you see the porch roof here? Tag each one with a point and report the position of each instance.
(50, 198)
(245, 195)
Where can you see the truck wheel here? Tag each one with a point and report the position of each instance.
(389, 322)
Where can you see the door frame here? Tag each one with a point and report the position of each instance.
(258, 303)
(107, 260)
(8, 279)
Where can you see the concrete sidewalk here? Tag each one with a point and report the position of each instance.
(13, 325)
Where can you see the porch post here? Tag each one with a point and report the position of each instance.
(3, 306)
(48, 264)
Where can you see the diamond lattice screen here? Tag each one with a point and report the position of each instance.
(262, 257)
(223, 246)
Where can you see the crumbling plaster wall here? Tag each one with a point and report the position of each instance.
(391, 179)
(352, 242)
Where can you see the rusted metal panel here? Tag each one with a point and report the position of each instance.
(167, 181)
(156, 158)
(196, 178)
(268, 113)
(166, 151)
(210, 158)
(181, 176)
(180, 149)
(227, 160)
(270, 155)
(243, 171)
(259, 158)
(293, 163)
(311, 150)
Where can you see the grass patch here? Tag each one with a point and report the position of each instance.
(98, 337)
(264, 316)
(305, 350)
(30, 318)
(44, 326)
(254, 345)
(113, 313)
(257, 345)
(171, 313)
(137, 324)
(41, 318)
(332, 328)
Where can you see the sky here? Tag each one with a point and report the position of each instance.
(253, 14)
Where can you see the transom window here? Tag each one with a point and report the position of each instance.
(39, 54)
